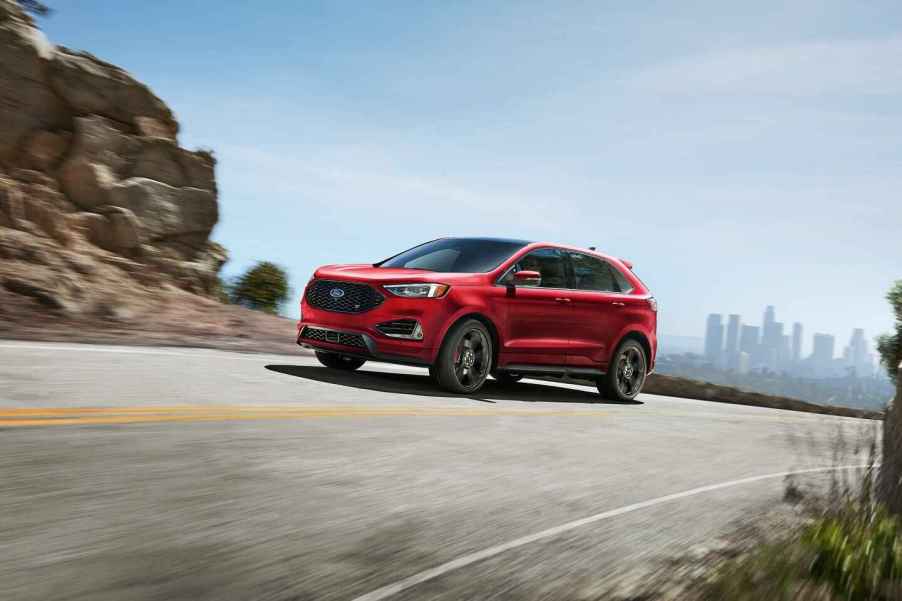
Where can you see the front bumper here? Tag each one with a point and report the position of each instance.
(359, 344)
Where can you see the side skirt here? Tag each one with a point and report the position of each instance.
(581, 373)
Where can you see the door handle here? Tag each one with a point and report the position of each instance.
(618, 304)
(561, 299)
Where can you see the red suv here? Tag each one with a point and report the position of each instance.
(470, 307)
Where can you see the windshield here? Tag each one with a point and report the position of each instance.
(456, 255)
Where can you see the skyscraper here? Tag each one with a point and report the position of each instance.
(769, 316)
(748, 340)
(796, 342)
(714, 338)
(856, 354)
(731, 349)
(771, 339)
(822, 354)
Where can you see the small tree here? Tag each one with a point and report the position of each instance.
(890, 347)
(263, 287)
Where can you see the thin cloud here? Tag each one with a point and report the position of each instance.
(849, 67)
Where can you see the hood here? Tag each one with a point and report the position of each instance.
(364, 272)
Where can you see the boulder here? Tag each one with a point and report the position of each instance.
(115, 229)
(48, 219)
(165, 210)
(124, 231)
(92, 86)
(12, 204)
(44, 149)
(159, 159)
(43, 292)
(198, 167)
(152, 128)
(27, 103)
(100, 151)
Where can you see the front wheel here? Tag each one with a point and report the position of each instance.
(465, 359)
(337, 361)
(626, 373)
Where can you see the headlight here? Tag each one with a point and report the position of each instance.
(418, 290)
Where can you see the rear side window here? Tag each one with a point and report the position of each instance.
(621, 280)
(590, 273)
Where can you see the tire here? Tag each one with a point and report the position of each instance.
(465, 359)
(622, 384)
(337, 361)
(505, 378)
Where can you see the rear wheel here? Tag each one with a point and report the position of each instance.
(505, 378)
(626, 373)
(338, 361)
(465, 359)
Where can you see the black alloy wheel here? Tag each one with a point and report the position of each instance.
(626, 373)
(339, 361)
(465, 359)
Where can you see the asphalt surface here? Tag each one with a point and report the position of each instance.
(133, 473)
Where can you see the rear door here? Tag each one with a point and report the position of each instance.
(598, 306)
(538, 319)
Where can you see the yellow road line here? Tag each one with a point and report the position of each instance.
(67, 416)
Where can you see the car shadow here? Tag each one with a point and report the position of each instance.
(415, 384)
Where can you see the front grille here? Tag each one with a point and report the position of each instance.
(398, 327)
(334, 337)
(343, 297)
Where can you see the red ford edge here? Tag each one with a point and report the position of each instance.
(467, 308)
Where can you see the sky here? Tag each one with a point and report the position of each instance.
(739, 154)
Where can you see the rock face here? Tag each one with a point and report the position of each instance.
(96, 195)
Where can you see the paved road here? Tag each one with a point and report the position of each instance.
(167, 474)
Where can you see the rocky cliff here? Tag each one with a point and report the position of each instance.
(99, 205)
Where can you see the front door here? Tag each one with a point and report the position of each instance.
(538, 318)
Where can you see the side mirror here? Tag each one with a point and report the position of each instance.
(527, 278)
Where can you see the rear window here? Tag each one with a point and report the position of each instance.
(456, 255)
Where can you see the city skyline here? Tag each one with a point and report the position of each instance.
(734, 345)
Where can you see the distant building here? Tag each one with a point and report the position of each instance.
(822, 354)
(771, 347)
(784, 353)
(796, 342)
(748, 340)
(714, 338)
(731, 348)
(856, 355)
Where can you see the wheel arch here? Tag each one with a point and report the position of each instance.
(486, 321)
(643, 341)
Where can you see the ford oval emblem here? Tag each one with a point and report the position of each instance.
(336, 293)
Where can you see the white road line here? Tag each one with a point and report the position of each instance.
(411, 581)
(131, 350)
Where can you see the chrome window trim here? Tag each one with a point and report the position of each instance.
(562, 250)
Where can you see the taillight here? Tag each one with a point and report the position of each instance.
(653, 304)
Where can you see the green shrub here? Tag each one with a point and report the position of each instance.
(263, 287)
(889, 346)
(858, 554)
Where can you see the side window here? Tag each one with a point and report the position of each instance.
(549, 262)
(590, 273)
(622, 282)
